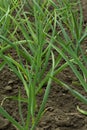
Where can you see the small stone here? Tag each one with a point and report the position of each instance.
(3, 123)
(39, 128)
(10, 82)
(8, 88)
(57, 129)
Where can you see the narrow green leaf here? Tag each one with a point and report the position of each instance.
(10, 118)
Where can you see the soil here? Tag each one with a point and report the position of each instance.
(61, 108)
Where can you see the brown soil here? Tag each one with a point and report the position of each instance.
(61, 112)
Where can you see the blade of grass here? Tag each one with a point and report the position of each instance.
(6, 115)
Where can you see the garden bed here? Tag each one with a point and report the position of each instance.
(61, 109)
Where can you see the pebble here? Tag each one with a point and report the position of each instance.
(39, 129)
(57, 129)
(8, 88)
(10, 82)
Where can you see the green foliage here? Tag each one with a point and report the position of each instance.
(71, 43)
(36, 33)
(4, 16)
